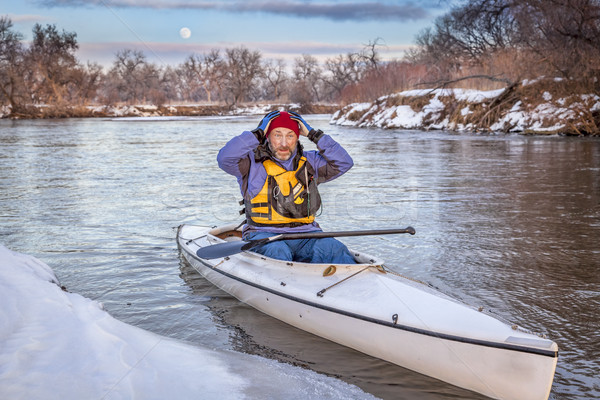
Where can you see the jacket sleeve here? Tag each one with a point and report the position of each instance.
(331, 161)
(237, 156)
(234, 157)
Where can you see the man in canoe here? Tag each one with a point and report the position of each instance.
(278, 181)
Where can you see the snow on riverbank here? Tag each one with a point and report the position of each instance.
(524, 109)
(147, 111)
(60, 345)
(154, 111)
(150, 111)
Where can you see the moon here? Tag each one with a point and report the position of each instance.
(185, 33)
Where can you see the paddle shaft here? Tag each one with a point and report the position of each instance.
(319, 235)
(229, 248)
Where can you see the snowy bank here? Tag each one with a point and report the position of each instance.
(524, 108)
(60, 345)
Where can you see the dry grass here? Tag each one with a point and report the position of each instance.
(416, 103)
(356, 115)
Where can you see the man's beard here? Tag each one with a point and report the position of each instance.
(284, 156)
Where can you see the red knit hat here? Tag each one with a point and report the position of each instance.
(284, 121)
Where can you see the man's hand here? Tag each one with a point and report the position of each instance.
(305, 129)
(263, 126)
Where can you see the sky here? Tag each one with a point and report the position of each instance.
(279, 29)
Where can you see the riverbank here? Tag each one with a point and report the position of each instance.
(542, 107)
(538, 107)
(185, 110)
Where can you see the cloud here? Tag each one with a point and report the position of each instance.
(27, 18)
(337, 11)
(333, 10)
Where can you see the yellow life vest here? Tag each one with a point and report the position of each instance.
(288, 198)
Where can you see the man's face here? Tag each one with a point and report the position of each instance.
(282, 142)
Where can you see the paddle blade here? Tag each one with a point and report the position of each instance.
(221, 250)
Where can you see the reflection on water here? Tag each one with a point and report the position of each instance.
(510, 223)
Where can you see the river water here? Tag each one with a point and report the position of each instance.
(510, 223)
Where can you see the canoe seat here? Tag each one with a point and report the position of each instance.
(229, 236)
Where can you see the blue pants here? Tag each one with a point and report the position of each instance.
(321, 251)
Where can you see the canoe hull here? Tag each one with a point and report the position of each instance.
(498, 369)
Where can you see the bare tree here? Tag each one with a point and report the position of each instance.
(341, 72)
(213, 79)
(203, 72)
(87, 81)
(469, 35)
(12, 88)
(242, 69)
(308, 78)
(153, 85)
(370, 54)
(563, 34)
(537, 37)
(127, 75)
(188, 78)
(275, 76)
(52, 62)
(170, 84)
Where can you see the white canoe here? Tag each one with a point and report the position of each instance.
(383, 315)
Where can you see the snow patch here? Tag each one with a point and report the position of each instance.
(60, 345)
(462, 109)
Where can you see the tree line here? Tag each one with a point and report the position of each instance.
(48, 72)
(481, 44)
(508, 41)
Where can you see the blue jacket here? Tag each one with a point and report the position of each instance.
(237, 158)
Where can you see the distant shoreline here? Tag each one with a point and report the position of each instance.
(183, 110)
(527, 108)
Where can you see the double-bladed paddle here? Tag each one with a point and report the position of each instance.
(229, 248)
